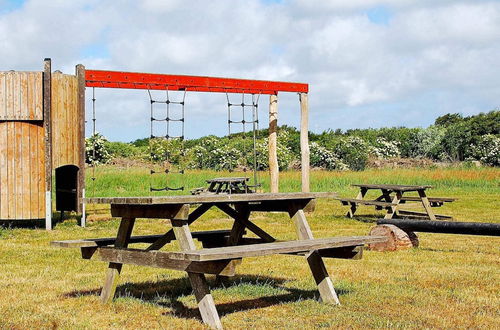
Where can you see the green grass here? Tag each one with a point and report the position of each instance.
(450, 281)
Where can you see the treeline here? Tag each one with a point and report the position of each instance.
(451, 138)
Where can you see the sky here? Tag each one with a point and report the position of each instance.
(368, 63)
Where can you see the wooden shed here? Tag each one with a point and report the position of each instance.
(41, 138)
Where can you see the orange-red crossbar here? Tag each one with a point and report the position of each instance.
(134, 80)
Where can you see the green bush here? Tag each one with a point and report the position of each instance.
(487, 150)
(96, 151)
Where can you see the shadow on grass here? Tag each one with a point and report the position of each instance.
(166, 293)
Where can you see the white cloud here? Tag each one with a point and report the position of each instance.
(430, 58)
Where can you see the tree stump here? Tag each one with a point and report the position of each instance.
(398, 239)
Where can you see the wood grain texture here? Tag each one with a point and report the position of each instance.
(65, 121)
(21, 170)
(201, 199)
(21, 96)
(304, 141)
(273, 143)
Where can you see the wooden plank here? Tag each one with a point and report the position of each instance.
(304, 141)
(41, 170)
(159, 259)
(16, 95)
(175, 211)
(114, 269)
(99, 242)
(318, 269)
(273, 143)
(3, 96)
(34, 171)
(247, 223)
(257, 250)
(4, 192)
(200, 199)
(11, 166)
(18, 170)
(393, 187)
(365, 202)
(23, 95)
(206, 303)
(26, 170)
(9, 96)
(38, 96)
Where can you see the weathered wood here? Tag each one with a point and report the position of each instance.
(397, 239)
(159, 259)
(318, 269)
(273, 143)
(247, 223)
(98, 242)
(206, 303)
(21, 96)
(256, 250)
(431, 199)
(200, 199)
(172, 211)
(393, 187)
(304, 141)
(80, 148)
(47, 123)
(350, 201)
(114, 269)
(426, 204)
(422, 215)
(352, 209)
(392, 210)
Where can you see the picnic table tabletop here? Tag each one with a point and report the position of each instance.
(393, 187)
(205, 199)
(228, 179)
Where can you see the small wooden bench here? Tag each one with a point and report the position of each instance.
(434, 201)
(355, 201)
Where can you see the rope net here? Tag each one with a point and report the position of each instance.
(248, 110)
(166, 143)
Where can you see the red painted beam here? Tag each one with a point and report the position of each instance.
(133, 80)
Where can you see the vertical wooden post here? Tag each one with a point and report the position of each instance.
(80, 76)
(304, 141)
(273, 140)
(47, 91)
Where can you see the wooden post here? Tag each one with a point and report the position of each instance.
(273, 140)
(80, 76)
(47, 91)
(304, 141)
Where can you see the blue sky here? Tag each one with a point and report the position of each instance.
(369, 63)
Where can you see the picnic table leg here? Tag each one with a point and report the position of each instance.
(114, 269)
(394, 209)
(316, 264)
(352, 210)
(426, 204)
(206, 303)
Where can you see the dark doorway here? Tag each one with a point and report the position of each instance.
(66, 188)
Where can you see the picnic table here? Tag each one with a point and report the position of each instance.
(227, 185)
(391, 198)
(222, 249)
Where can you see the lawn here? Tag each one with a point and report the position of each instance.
(450, 281)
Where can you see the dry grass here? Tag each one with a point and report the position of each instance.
(451, 281)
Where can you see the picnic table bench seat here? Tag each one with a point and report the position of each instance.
(434, 201)
(348, 201)
(214, 235)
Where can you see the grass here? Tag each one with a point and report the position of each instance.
(450, 281)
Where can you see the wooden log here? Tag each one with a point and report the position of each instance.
(397, 239)
(273, 143)
(445, 227)
(47, 123)
(304, 141)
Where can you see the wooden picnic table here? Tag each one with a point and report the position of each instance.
(222, 249)
(391, 198)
